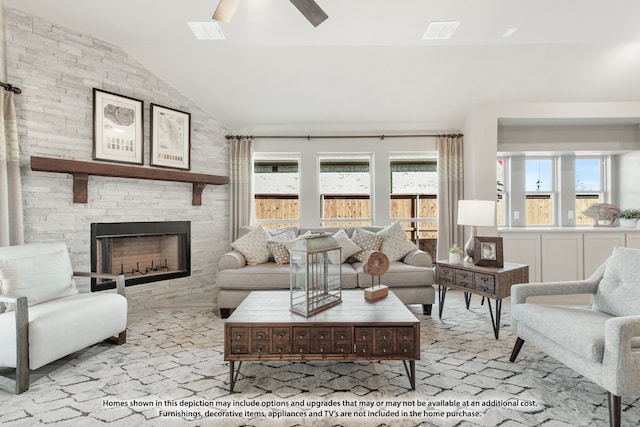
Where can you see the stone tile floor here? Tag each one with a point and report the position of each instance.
(171, 372)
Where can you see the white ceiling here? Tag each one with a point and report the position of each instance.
(366, 68)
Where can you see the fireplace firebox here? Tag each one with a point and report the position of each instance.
(143, 251)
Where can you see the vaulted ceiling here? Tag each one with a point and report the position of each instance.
(366, 67)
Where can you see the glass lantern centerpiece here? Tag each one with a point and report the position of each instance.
(315, 275)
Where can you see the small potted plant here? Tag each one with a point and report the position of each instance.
(455, 254)
(628, 218)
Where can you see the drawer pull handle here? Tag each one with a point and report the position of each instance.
(341, 349)
(341, 337)
(405, 336)
(301, 350)
(321, 350)
(384, 337)
(321, 336)
(238, 336)
(405, 350)
(384, 350)
(259, 336)
(280, 336)
(301, 336)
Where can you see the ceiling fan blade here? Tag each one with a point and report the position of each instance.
(225, 10)
(311, 11)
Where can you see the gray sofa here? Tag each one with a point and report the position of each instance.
(411, 278)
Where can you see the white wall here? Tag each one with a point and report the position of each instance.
(57, 69)
(380, 150)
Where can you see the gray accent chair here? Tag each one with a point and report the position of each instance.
(600, 341)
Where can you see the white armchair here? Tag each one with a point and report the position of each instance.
(43, 317)
(601, 341)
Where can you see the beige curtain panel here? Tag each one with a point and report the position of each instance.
(240, 184)
(450, 190)
(11, 223)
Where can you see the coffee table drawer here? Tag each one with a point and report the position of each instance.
(280, 340)
(464, 278)
(342, 342)
(364, 340)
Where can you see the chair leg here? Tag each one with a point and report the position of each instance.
(426, 309)
(615, 404)
(120, 339)
(516, 349)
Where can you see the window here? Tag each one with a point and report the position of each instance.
(276, 184)
(414, 186)
(532, 184)
(345, 190)
(539, 188)
(589, 186)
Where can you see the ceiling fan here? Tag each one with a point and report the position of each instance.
(309, 8)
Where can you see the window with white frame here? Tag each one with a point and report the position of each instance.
(276, 181)
(414, 188)
(540, 191)
(590, 184)
(345, 189)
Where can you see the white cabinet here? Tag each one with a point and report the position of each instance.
(524, 248)
(564, 254)
(598, 247)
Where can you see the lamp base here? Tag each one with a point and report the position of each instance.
(468, 249)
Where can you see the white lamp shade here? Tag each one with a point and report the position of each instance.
(477, 212)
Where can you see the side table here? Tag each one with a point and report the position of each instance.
(488, 282)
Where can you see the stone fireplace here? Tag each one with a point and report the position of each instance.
(143, 251)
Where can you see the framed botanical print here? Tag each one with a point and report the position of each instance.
(170, 137)
(117, 127)
(487, 251)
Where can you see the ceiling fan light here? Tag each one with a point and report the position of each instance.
(225, 10)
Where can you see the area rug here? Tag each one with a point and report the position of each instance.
(171, 372)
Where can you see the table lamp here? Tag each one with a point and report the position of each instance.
(476, 213)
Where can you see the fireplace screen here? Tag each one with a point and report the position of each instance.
(143, 251)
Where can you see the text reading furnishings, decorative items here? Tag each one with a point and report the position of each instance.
(599, 341)
(315, 282)
(375, 264)
(170, 138)
(476, 213)
(43, 317)
(262, 328)
(487, 282)
(117, 127)
(488, 251)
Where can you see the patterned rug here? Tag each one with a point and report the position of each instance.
(171, 372)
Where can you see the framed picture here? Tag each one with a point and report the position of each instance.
(170, 137)
(117, 127)
(487, 251)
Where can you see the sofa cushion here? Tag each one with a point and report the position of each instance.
(276, 245)
(40, 272)
(398, 275)
(551, 320)
(253, 246)
(347, 247)
(367, 240)
(619, 290)
(272, 276)
(395, 243)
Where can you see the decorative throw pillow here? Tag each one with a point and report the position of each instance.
(618, 292)
(395, 244)
(41, 277)
(367, 241)
(347, 246)
(253, 246)
(278, 249)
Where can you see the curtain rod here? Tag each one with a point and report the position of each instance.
(11, 88)
(381, 137)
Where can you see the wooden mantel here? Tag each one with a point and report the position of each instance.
(82, 170)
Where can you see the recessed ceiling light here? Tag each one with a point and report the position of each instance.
(207, 30)
(509, 32)
(440, 30)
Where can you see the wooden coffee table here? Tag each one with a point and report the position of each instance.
(262, 328)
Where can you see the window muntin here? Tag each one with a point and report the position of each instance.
(501, 190)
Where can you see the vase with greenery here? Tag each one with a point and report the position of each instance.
(455, 254)
(628, 218)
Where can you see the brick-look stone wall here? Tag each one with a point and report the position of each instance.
(57, 68)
